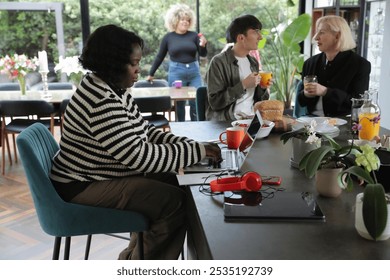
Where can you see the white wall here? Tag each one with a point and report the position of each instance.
(384, 90)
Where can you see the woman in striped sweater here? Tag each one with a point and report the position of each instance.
(110, 157)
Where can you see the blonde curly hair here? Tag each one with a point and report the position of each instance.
(176, 12)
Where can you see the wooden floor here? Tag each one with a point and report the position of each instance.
(21, 237)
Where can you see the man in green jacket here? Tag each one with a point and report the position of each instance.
(232, 77)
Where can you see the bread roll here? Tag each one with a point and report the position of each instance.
(271, 110)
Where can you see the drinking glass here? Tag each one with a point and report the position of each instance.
(309, 79)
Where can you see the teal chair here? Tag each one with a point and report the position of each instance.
(63, 219)
(299, 110)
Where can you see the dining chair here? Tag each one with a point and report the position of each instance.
(201, 96)
(154, 105)
(17, 115)
(9, 86)
(155, 83)
(56, 86)
(299, 110)
(58, 218)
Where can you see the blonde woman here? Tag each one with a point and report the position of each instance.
(183, 46)
(341, 73)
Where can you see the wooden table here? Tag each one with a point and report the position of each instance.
(176, 94)
(210, 237)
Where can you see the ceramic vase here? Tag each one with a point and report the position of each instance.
(359, 223)
(299, 149)
(326, 182)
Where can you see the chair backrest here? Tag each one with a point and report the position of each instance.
(154, 104)
(37, 148)
(55, 86)
(201, 96)
(15, 108)
(155, 83)
(9, 86)
(59, 86)
(298, 109)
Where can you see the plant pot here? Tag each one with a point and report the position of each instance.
(326, 182)
(299, 149)
(359, 223)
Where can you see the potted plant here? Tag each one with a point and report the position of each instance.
(372, 206)
(285, 59)
(326, 162)
(304, 140)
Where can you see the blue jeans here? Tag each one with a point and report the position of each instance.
(190, 75)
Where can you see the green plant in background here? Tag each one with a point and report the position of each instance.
(374, 197)
(285, 59)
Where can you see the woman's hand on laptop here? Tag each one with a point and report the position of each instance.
(213, 151)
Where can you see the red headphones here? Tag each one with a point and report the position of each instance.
(250, 181)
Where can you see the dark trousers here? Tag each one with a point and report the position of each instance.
(158, 197)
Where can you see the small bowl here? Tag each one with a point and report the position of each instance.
(243, 123)
(265, 131)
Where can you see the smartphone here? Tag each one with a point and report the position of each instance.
(271, 180)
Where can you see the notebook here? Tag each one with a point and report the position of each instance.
(271, 205)
(232, 159)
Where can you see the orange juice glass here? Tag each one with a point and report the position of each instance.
(266, 77)
(369, 129)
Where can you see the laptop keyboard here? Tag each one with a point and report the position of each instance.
(230, 159)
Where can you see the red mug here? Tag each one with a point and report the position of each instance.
(233, 138)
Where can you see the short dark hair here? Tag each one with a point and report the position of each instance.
(241, 25)
(108, 50)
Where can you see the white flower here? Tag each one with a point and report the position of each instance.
(69, 65)
(311, 134)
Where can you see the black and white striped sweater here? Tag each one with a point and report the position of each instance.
(105, 137)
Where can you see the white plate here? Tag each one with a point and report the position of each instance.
(363, 142)
(323, 128)
(320, 120)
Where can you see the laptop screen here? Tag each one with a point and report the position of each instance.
(250, 135)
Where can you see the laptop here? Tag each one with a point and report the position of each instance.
(271, 205)
(232, 159)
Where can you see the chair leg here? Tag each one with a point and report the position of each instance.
(2, 155)
(141, 245)
(9, 150)
(67, 248)
(88, 246)
(56, 249)
(15, 149)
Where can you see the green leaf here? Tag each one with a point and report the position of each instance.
(288, 135)
(296, 31)
(374, 210)
(359, 172)
(312, 160)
